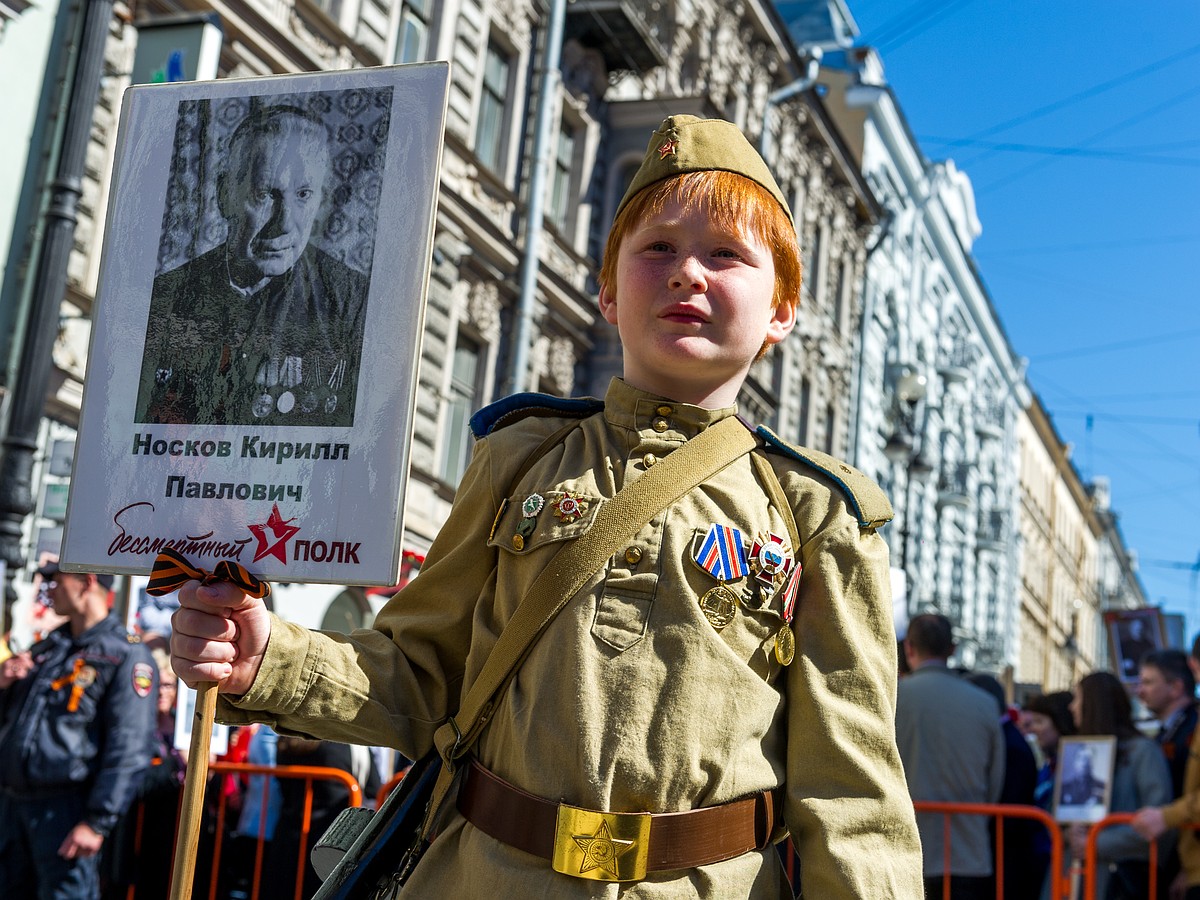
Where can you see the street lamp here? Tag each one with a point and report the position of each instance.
(904, 448)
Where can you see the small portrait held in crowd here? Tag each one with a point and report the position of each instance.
(1133, 633)
(1084, 778)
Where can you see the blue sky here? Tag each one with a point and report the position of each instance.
(1079, 126)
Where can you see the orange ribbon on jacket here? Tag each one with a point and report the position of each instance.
(172, 571)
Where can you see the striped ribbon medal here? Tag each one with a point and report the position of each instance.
(723, 556)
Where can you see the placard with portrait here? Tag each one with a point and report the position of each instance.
(251, 379)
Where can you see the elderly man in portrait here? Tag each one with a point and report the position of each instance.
(266, 328)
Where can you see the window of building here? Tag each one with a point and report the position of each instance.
(413, 41)
(805, 410)
(560, 184)
(813, 263)
(830, 428)
(332, 8)
(461, 402)
(491, 128)
(839, 300)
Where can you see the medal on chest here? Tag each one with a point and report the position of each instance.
(785, 638)
(723, 556)
(530, 507)
(770, 561)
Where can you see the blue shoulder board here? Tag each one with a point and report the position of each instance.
(519, 406)
(869, 503)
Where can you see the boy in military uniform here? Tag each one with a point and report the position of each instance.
(711, 659)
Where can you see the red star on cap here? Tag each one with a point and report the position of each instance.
(282, 532)
(667, 148)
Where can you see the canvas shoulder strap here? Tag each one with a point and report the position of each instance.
(618, 520)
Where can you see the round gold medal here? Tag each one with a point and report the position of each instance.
(719, 606)
(785, 645)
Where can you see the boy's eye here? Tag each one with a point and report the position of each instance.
(726, 253)
(659, 246)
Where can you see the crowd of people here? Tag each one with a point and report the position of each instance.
(91, 773)
(961, 742)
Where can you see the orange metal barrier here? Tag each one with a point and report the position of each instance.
(1059, 887)
(308, 773)
(1060, 881)
(1090, 861)
(390, 785)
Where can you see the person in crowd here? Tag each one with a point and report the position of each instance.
(77, 714)
(265, 329)
(1151, 822)
(293, 836)
(1167, 687)
(1049, 719)
(1101, 706)
(675, 681)
(952, 748)
(141, 848)
(256, 823)
(1024, 870)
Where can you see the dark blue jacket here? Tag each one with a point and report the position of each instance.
(82, 720)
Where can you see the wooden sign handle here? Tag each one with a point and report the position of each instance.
(187, 839)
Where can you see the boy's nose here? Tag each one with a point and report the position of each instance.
(688, 275)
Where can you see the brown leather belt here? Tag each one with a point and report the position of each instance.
(614, 846)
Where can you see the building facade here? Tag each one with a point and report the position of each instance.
(898, 361)
(490, 327)
(939, 387)
(1061, 622)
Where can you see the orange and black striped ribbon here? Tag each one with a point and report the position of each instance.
(172, 571)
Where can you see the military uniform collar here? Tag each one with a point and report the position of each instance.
(627, 407)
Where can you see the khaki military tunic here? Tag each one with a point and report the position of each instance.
(631, 700)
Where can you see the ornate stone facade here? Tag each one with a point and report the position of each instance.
(939, 389)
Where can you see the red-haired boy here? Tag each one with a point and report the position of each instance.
(679, 678)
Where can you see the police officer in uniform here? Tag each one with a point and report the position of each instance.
(77, 719)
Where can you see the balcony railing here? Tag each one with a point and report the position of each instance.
(992, 531)
(989, 420)
(625, 33)
(956, 364)
(953, 489)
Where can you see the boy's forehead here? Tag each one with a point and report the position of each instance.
(691, 144)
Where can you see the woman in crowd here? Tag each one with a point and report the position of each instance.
(1100, 707)
(1049, 717)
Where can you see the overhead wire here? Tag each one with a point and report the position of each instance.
(1119, 345)
(1113, 155)
(1094, 138)
(1118, 81)
(1089, 245)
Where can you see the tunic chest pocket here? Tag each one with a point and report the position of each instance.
(621, 617)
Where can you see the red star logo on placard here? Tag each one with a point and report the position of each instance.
(667, 148)
(280, 530)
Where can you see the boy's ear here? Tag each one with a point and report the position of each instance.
(608, 305)
(783, 320)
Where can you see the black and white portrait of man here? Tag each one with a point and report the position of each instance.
(257, 311)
